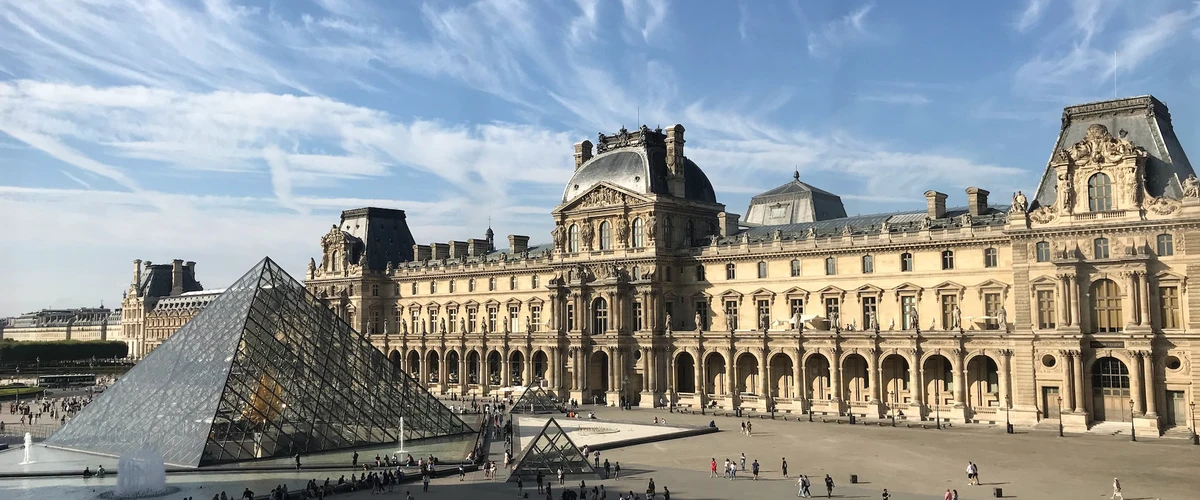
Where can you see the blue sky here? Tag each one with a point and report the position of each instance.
(221, 131)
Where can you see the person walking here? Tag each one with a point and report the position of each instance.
(749, 429)
(886, 495)
(520, 486)
(1116, 490)
(972, 474)
(462, 473)
(650, 490)
(354, 460)
(425, 481)
(560, 477)
(953, 494)
(617, 470)
(540, 478)
(948, 496)
(784, 467)
(743, 428)
(743, 466)
(800, 485)
(828, 486)
(607, 468)
(666, 493)
(807, 487)
(754, 469)
(297, 461)
(712, 468)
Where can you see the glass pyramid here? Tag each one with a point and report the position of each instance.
(264, 371)
(535, 400)
(549, 451)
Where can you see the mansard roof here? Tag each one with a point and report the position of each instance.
(792, 203)
(902, 222)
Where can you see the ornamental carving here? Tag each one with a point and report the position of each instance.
(1020, 203)
(1099, 146)
(1163, 205)
(587, 232)
(1043, 215)
(623, 231)
(602, 197)
(560, 236)
(651, 228)
(1191, 187)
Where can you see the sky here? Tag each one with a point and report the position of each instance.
(221, 131)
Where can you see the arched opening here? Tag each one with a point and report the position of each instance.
(413, 365)
(605, 236)
(939, 380)
(638, 233)
(599, 316)
(396, 360)
(598, 375)
(541, 364)
(895, 377)
(493, 368)
(817, 379)
(452, 363)
(516, 368)
(983, 382)
(689, 233)
(1106, 306)
(1110, 391)
(432, 365)
(856, 382)
(747, 374)
(783, 383)
(573, 238)
(685, 373)
(714, 374)
(473, 367)
(1100, 193)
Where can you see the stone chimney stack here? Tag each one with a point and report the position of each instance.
(137, 270)
(977, 202)
(727, 224)
(935, 204)
(583, 153)
(176, 277)
(517, 244)
(190, 268)
(422, 252)
(675, 160)
(440, 250)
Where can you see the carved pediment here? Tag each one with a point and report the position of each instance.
(513, 302)
(451, 304)
(831, 290)
(414, 306)
(601, 196)
(432, 304)
(993, 286)
(471, 303)
(796, 292)
(869, 290)
(907, 288)
(1044, 280)
(536, 301)
(762, 292)
(1100, 147)
(732, 294)
(492, 302)
(949, 285)
(1170, 277)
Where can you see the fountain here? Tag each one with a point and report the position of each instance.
(402, 450)
(141, 474)
(28, 449)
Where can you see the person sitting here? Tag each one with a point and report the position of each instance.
(712, 423)
(592, 415)
(87, 472)
(99, 471)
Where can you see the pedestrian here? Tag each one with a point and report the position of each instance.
(754, 469)
(828, 486)
(297, 461)
(354, 460)
(784, 467)
(712, 468)
(597, 459)
(948, 496)
(726, 470)
(972, 474)
(1116, 490)
(666, 493)
(462, 473)
(743, 466)
(520, 486)
(607, 468)
(617, 471)
(650, 490)
(733, 468)
(807, 487)
(743, 428)
(560, 477)
(886, 495)
(749, 429)
(540, 478)
(954, 495)
(800, 486)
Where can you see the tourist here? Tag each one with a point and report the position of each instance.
(597, 461)
(425, 482)
(87, 472)
(560, 477)
(617, 471)
(650, 489)
(733, 468)
(297, 461)
(972, 474)
(712, 468)
(886, 495)
(749, 432)
(803, 485)
(666, 493)
(540, 478)
(743, 463)
(248, 495)
(520, 486)
(953, 494)
(754, 469)
(828, 486)
(1116, 490)
(354, 460)
(743, 428)
(948, 495)
(784, 467)
(462, 472)
(100, 471)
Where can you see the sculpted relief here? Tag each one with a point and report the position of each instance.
(1077, 168)
(602, 197)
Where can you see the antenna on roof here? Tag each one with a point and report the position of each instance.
(1114, 74)
(639, 116)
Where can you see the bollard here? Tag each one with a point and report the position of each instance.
(851, 419)
(853, 478)
(999, 493)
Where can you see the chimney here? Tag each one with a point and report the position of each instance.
(477, 247)
(977, 202)
(935, 204)
(727, 223)
(583, 153)
(517, 244)
(137, 270)
(176, 277)
(440, 250)
(458, 249)
(421, 252)
(675, 160)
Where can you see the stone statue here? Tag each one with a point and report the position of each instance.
(483, 327)
(667, 322)
(891, 324)
(504, 323)
(390, 268)
(623, 231)
(833, 319)
(442, 325)
(1066, 191)
(312, 266)
(874, 325)
(1020, 203)
(423, 330)
(916, 317)
(559, 234)
(462, 325)
(528, 325)
(588, 232)
(933, 324)
(699, 321)
(729, 323)
(1002, 318)
(651, 228)
(956, 317)
(765, 321)
(403, 326)
(812, 231)
(797, 321)
(1191, 187)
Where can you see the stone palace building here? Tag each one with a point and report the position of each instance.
(1071, 303)
(159, 300)
(84, 323)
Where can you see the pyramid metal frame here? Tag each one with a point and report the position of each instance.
(550, 449)
(266, 370)
(541, 401)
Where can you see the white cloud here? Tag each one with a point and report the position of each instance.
(910, 99)
(76, 179)
(645, 16)
(1031, 14)
(838, 34)
(743, 18)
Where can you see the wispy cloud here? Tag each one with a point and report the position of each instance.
(1031, 15)
(645, 16)
(76, 179)
(838, 34)
(893, 98)
(743, 18)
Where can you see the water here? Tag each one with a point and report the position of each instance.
(28, 449)
(141, 473)
(401, 450)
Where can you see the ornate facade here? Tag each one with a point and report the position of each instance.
(1073, 306)
(85, 323)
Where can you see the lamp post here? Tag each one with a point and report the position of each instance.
(1060, 425)
(1007, 422)
(1132, 427)
(937, 403)
(895, 400)
(1195, 437)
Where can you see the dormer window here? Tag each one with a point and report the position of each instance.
(1100, 193)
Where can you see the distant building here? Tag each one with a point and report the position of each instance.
(161, 298)
(85, 323)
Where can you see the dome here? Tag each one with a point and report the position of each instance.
(640, 168)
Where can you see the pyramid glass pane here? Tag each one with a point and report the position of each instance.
(535, 400)
(551, 450)
(264, 371)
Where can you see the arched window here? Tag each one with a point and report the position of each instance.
(689, 233)
(868, 264)
(637, 274)
(700, 273)
(906, 262)
(1100, 248)
(830, 266)
(573, 238)
(990, 257)
(432, 287)
(512, 283)
(947, 259)
(668, 236)
(533, 281)
(605, 236)
(762, 270)
(1166, 245)
(1043, 251)
(1106, 306)
(599, 316)
(730, 271)
(795, 267)
(471, 285)
(1100, 193)
(639, 230)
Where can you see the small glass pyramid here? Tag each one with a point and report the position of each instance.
(550, 451)
(264, 371)
(535, 400)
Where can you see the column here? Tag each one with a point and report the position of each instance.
(645, 370)
(1068, 393)
(505, 370)
(914, 379)
(701, 388)
(463, 373)
(1080, 389)
(672, 383)
(1147, 316)
(653, 372)
(835, 375)
(730, 372)
(960, 378)
(1135, 318)
(797, 378)
(1135, 383)
(1005, 374)
(527, 370)
(583, 369)
(552, 369)
(764, 376)
(423, 358)
(1151, 391)
(612, 368)
(873, 373)
(1064, 302)
(576, 370)
(442, 370)
(1074, 291)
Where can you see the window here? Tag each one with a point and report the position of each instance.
(990, 257)
(471, 285)
(702, 310)
(453, 288)
(599, 316)
(830, 266)
(493, 315)
(991, 309)
(1045, 309)
(514, 317)
(762, 270)
(491, 284)
(1043, 251)
(416, 320)
(833, 307)
(374, 290)
(452, 318)
(908, 304)
(795, 267)
(668, 232)
(432, 287)
(638, 321)
(573, 238)
(414, 288)
(689, 233)
(667, 273)
(472, 316)
(906, 262)
(396, 289)
(868, 264)
(1168, 298)
(1099, 193)
(764, 313)
(605, 236)
(639, 228)
(351, 292)
(533, 282)
(570, 316)
(512, 283)
(535, 315)
(731, 314)
(947, 259)
(949, 304)
(1166, 245)
(700, 272)
(396, 320)
(1100, 248)
(433, 323)
(796, 306)
(730, 271)
(869, 306)
(637, 274)
(376, 322)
